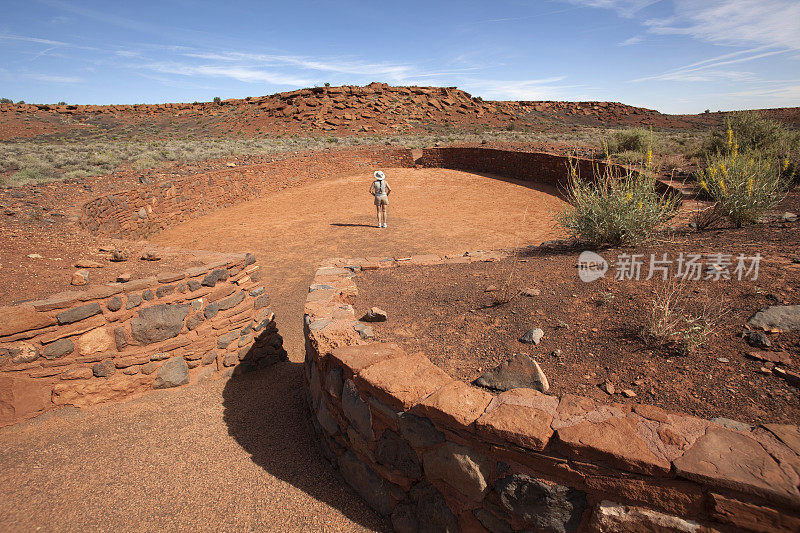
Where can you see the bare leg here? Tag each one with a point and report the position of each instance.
(378, 210)
(383, 212)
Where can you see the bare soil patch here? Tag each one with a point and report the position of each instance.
(592, 330)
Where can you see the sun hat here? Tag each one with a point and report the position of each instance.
(379, 175)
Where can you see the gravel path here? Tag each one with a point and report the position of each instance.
(240, 455)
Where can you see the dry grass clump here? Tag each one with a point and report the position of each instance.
(617, 207)
(671, 325)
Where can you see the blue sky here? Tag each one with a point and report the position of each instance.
(677, 56)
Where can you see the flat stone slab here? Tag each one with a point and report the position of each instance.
(521, 424)
(614, 441)
(402, 382)
(730, 459)
(358, 357)
(777, 317)
(455, 405)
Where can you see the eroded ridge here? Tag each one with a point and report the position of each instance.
(426, 449)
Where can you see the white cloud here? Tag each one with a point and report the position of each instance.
(774, 23)
(9, 36)
(541, 89)
(335, 65)
(248, 75)
(708, 69)
(48, 78)
(625, 8)
(631, 40)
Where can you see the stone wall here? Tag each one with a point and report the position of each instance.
(436, 454)
(146, 210)
(117, 340)
(527, 166)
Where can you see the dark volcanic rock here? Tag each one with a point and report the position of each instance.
(548, 507)
(173, 373)
(158, 323)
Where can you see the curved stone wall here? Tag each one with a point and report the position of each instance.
(117, 340)
(436, 454)
(146, 210)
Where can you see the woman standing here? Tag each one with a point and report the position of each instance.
(380, 190)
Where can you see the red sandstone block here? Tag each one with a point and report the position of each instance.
(455, 406)
(730, 459)
(101, 291)
(615, 442)
(357, 358)
(670, 496)
(61, 300)
(402, 382)
(73, 329)
(518, 424)
(19, 318)
(752, 517)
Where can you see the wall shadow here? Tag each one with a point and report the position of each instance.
(353, 225)
(266, 412)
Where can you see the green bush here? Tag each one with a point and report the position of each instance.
(618, 207)
(217, 99)
(744, 186)
(752, 132)
(6, 101)
(637, 140)
(34, 174)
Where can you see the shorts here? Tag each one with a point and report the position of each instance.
(382, 200)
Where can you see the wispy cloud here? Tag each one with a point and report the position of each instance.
(625, 8)
(636, 39)
(335, 65)
(12, 37)
(708, 69)
(774, 23)
(248, 75)
(49, 78)
(536, 89)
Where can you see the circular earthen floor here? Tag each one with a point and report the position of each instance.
(431, 211)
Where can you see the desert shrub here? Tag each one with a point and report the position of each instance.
(217, 99)
(6, 101)
(33, 174)
(753, 132)
(619, 206)
(62, 103)
(636, 140)
(143, 163)
(744, 186)
(671, 324)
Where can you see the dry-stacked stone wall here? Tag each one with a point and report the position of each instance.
(117, 340)
(537, 167)
(437, 454)
(150, 208)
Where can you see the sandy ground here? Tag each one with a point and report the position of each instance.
(239, 455)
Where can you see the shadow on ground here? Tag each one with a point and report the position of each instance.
(266, 413)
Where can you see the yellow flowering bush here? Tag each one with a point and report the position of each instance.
(617, 207)
(744, 186)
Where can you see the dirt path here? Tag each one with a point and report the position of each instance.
(239, 455)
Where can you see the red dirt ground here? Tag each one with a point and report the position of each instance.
(446, 313)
